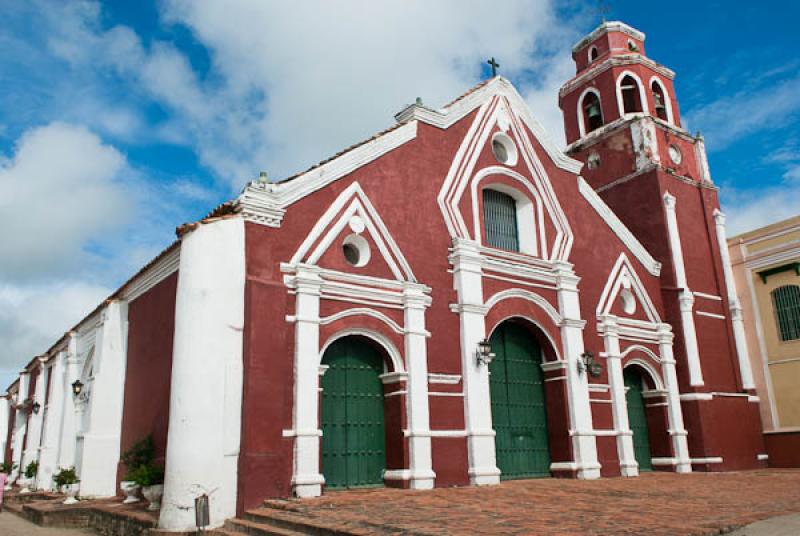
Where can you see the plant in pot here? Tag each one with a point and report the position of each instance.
(30, 476)
(67, 481)
(151, 478)
(7, 468)
(139, 455)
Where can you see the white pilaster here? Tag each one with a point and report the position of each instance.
(5, 409)
(101, 438)
(53, 415)
(467, 273)
(35, 419)
(676, 430)
(685, 296)
(21, 424)
(307, 480)
(619, 405)
(737, 320)
(206, 387)
(584, 445)
(419, 439)
(68, 432)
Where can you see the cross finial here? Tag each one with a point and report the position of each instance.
(494, 65)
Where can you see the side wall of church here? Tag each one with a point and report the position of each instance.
(151, 324)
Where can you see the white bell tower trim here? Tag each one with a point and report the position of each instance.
(685, 297)
(733, 303)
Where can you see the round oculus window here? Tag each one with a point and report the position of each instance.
(594, 161)
(356, 250)
(675, 154)
(504, 149)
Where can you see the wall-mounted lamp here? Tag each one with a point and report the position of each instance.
(36, 407)
(484, 353)
(77, 387)
(588, 363)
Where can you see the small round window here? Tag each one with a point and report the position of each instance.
(504, 149)
(356, 251)
(594, 161)
(675, 154)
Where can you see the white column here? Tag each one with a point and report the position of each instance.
(467, 274)
(419, 438)
(101, 439)
(53, 415)
(584, 444)
(35, 419)
(20, 451)
(685, 297)
(206, 387)
(5, 410)
(735, 307)
(619, 404)
(307, 480)
(676, 430)
(68, 432)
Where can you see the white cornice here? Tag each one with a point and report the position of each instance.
(610, 26)
(614, 61)
(623, 233)
(163, 268)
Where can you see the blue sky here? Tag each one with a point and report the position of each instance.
(121, 120)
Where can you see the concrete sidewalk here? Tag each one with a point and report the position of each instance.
(13, 525)
(774, 526)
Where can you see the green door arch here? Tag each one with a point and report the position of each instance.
(637, 419)
(519, 413)
(353, 441)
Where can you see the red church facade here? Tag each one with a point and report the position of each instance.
(452, 302)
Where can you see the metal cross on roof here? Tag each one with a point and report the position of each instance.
(494, 65)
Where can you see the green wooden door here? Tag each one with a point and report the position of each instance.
(519, 414)
(637, 419)
(353, 442)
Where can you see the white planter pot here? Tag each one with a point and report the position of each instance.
(70, 490)
(153, 494)
(130, 488)
(24, 484)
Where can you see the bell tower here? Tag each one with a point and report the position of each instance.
(622, 120)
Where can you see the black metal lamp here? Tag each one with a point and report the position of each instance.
(484, 353)
(77, 387)
(36, 407)
(588, 363)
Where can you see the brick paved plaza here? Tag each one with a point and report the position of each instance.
(654, 503)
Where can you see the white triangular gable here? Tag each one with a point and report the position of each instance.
(498, 112)
(623, 277)
(353, 202)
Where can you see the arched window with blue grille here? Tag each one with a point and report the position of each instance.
(500, 220)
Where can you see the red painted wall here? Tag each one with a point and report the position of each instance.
(151, 324)
(783, 449)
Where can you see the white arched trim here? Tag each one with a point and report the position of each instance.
(592, 49)
(642, 94)
(363, 311)
(546, 333)
(655, 376)
(528, 296)
(532, 242)
(667, 98)
(581, 122)
(644, 349)
(381, 339)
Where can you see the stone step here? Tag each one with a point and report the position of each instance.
(299, 523)
(244, 526)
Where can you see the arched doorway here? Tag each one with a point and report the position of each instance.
(352, 417)
(519, 413)
(637, 418)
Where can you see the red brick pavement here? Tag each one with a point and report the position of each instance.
(653, 504)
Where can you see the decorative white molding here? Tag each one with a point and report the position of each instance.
(581, 122)
(667, 97)
(623, 274)
(606, 27)
(710, 315)
(616, 225)
(155, 274)
(446, 379)
(363, 311)
(712, 459)
(642, 94)
(762, 457)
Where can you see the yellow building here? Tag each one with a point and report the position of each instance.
(766, 267)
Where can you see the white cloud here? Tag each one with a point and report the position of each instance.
(58, 192)
(289, 84)
(32, 318)
(753, 208)
(733, 117)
